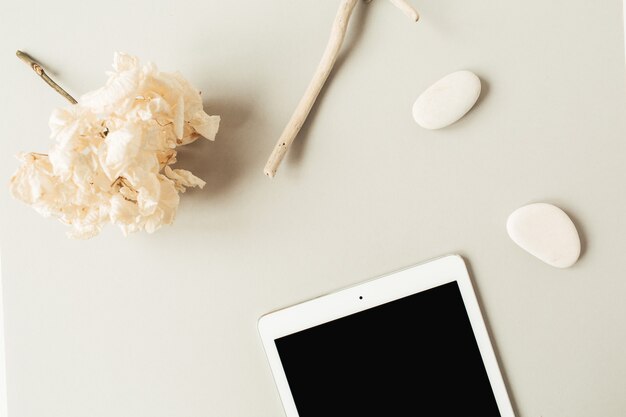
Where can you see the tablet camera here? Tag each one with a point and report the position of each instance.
(360, 297)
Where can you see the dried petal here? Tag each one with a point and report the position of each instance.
(112, 149)
(183, 179)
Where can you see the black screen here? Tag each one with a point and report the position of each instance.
(416, 356)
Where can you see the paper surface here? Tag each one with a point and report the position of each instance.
(165, 325)
(3, 386)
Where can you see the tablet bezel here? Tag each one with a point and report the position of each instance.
(370, 294)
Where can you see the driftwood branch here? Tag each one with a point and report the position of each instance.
(299, 116)
(407, 9)
(40, 71)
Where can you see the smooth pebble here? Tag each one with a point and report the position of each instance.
(447, 100)
(547, 232)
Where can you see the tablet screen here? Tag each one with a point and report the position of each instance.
(415, 356)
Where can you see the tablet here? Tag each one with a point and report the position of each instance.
(411, 343)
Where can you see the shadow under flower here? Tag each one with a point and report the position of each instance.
(220, 163)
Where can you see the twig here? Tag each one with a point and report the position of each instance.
(407, 9)
(40, 71)
(319, 78)
(299, 116)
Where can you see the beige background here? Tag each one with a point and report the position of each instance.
(165, 324)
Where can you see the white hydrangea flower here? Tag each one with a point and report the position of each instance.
(110, 161)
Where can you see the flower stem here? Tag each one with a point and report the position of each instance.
(40, 71)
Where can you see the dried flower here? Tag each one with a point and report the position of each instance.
(110, 161)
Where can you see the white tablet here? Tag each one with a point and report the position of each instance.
(412, 343)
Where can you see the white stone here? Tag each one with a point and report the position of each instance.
(447, 100)
(545, 231)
